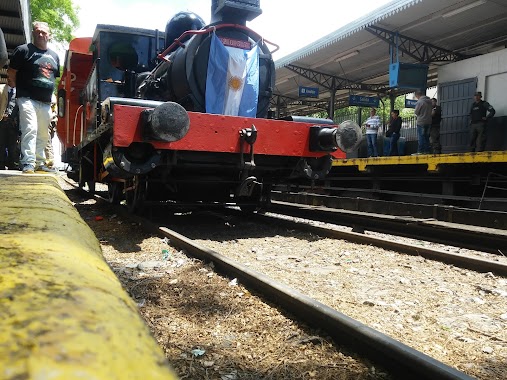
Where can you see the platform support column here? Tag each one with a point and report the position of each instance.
(332, 100)
(392, 99)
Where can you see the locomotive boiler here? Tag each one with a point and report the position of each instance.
(181, 117)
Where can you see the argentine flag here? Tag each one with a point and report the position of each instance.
(232, 83)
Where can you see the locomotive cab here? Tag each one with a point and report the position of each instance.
(119, 54)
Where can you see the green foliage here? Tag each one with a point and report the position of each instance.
(61, 15)
(384, 111)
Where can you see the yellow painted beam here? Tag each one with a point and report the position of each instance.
(63, 312)
(433, 161)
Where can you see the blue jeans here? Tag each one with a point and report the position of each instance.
(423, 136)
(371, 142)
(393, 149)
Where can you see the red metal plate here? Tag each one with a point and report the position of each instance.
(219, 133)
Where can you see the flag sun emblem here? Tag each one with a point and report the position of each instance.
(235, 83)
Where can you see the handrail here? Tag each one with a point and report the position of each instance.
(177, 41)
(75, 122)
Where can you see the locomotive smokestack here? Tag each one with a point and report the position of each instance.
(234, 11)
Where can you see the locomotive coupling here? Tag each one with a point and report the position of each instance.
(328, 139)
(138, 158)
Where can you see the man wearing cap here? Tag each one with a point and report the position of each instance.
(480, 113)
(34, 68)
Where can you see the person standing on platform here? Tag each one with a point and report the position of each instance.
(393, 131)
(48, 151)
(8, 126)
(34, 68)
(423, 112)
(372, 125)
(436, 118)
(480, 113)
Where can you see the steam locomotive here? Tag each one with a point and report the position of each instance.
(181, 117)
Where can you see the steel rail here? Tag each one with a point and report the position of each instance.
(462, 261)
(404, 361)
(474, 238)
(430, 208)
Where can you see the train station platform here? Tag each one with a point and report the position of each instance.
(63, 312)
(433, 162)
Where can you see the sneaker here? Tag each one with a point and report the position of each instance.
(44, 168)
(28, 169)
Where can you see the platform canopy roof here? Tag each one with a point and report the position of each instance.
(15, 24)
(354, 60)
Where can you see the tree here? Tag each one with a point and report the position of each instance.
(61, 15)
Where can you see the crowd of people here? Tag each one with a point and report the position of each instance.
(428, 119)
(28, 105)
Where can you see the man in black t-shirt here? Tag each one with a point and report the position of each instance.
(480, 113)
(34, 68)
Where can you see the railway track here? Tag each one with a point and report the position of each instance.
(459, 260)
(403, 361)
(484, 239)
(461, 235)
(435, 207)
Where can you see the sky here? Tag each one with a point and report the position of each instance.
(291, 24)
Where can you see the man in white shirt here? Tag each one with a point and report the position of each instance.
(372, 125)
(33, 67)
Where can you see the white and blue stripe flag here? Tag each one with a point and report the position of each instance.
(232, 83)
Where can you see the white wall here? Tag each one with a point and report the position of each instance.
(491, 73)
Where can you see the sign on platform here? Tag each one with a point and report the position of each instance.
(410, 103)
(363, 101)
(308, 92)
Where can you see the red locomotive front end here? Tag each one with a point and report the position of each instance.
(180, 118)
